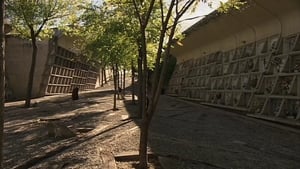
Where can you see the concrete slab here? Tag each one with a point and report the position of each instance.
(131, 156)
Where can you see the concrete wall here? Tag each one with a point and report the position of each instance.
(262, 19)
(246, 60)
(18, 61)
(67, 43)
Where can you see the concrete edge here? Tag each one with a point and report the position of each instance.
(266, 121)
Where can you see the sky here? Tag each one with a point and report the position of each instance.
(202, 10)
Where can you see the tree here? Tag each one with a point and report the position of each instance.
(107, 38)
(170, 18)
(33, 20)
(164, 17)
(2, 80)
(158, 78)
(132, 23)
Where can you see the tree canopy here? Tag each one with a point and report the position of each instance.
(108, 33)
(105, 36)
(41, 16)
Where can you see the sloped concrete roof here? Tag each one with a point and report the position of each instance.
(259, 19)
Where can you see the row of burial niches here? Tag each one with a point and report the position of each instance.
(257, 76)
(278, 91)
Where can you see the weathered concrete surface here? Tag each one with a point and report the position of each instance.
(188, 135)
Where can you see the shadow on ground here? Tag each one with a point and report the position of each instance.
(188, 135)
(26, 129)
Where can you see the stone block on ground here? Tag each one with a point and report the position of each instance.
(108, 160)
(58, 130)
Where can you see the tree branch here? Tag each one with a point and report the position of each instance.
(149, 13)
(40, 28)
(162, 11)
(159, 53)
(185, 8)
(137, 11)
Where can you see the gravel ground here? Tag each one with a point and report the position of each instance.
(100, 133)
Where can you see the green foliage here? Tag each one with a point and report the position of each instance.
(40, 15)
(105, 37)
(231, 4)
(109, 33)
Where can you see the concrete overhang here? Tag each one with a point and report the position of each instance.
(244, 26)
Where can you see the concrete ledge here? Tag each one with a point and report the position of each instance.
(292, 123)
(57, 98)
(131, 156)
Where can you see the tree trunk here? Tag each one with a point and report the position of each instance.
(2, 80)
(144, 128)
(143, 143)
(115, 88)
(120, 78)
(32, 69)
(140, 84)
(132, 83)
(118, 81)
(102, 76)
(124, 83)
(120, 84)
